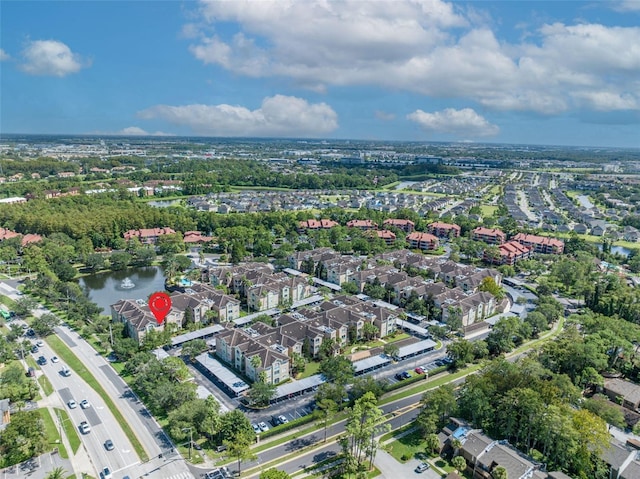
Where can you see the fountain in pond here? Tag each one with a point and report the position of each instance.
(127, 284)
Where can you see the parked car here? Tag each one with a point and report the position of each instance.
(423, 466)
(42, 360)
(108, 445)
(34, 349)
(282, 419)
(54, 359)
(263, 426)
(419, 370)
(40, 344)
(72, 404)
(256, 429)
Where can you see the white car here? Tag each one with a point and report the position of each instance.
(72, 404)
(263, 426)
(54, 359)
(84, 404)
(84, 427)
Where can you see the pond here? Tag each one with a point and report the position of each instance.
(109, 287)
(164, 203)
(618, 249)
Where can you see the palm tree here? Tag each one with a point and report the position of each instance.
(57, 473)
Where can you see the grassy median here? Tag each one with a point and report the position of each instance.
(72, 361)
(69, 429)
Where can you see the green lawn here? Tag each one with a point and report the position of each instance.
(7, 301)
(488, 210)
(407, 447)
(310, 369)
(53, 436)
(45, 385)
(69, 429)
(74, 363)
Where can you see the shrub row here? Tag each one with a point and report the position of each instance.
(414, 379)
(274, 431)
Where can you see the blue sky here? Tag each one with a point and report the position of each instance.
(541, 72)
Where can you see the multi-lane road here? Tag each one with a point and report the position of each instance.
(123, 460)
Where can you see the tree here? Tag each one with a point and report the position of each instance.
(460, 463)
(326, 408)
(337, 369)
(489, 284)
(261, 393)
(441, 402)
(57, 473)
(454, 318)
(432, 444)
(239, 447)
(499, 472)
(43, 325)
(95, 261)
(24, 305)
(193, 348)
(460, 352)
(274, 473)
(537, 321)
(391, 350)
(369, 331)
(23, 438)
(361, 429)
(363, 385)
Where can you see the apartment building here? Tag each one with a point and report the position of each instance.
(444, 230)
(489, 235)
(422, 241)
(540, 244)
(405, 225)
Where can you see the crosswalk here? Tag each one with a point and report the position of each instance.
(180, 475)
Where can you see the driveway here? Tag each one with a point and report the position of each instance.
(392, 469)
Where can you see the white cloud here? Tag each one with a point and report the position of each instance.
(50, 58)
(429, 47)
(4, 55)
(278, 116)
(460, 123)
(626, 5)
(137, 131)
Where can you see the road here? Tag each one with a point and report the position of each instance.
(103, 424)
(123, 460)
(149, 433)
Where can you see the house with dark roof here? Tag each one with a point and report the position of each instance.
(629, 392)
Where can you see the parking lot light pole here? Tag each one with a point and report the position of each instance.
(190, 439)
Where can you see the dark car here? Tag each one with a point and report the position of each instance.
(34, 349)
(108, 445)
(42, 360)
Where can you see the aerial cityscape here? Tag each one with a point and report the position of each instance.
(337, 239)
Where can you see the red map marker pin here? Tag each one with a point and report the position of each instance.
(160, 305)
